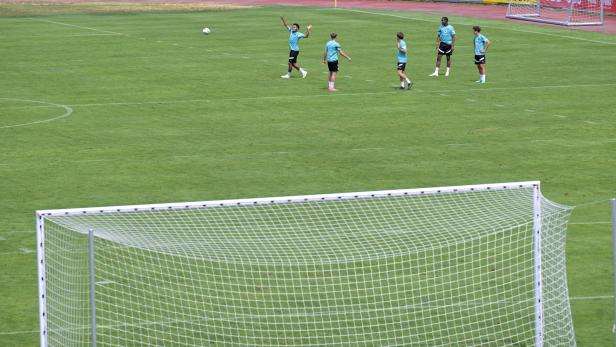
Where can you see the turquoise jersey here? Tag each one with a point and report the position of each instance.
(402, 56)
(332, 48)
(446, 33)
(294, 39)
(480, 44)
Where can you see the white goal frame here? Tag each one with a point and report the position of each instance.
(554, 13)
(537, 261)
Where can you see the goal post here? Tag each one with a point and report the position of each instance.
(561, 12)
(464, 265)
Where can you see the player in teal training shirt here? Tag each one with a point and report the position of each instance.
(481, 44)
(445, 42)
(402, 60)
(330, 56)
(294, 36)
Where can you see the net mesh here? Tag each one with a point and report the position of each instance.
(564, 12)
(418, 270)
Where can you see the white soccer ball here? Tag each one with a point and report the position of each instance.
(206, 31)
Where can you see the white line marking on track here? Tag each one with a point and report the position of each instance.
(67, 109)
(77, 26)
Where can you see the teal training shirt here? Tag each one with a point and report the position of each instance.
(402, 58)
(332, 48)
(480, 44)
(446, 33)
(294, 39)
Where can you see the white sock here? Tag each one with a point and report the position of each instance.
(447, 71)
(482, 78)
(408, 81)
(331, 84)
(436, 71)
(402, 84)
(289, 73)
(301, 70)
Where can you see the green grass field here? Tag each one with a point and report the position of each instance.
(142, 108)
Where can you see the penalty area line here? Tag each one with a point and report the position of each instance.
(491, 27)
(78, 26)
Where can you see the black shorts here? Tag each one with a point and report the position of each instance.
(480, 59)
(293, 57)
(401, 66)
(333, 66)
(444, 48)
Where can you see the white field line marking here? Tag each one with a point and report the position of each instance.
(67, 109)
(322, 95)
(18, 231)
(471, 100)
(20, 332)
(229, 99)
(559, 116)
(590, 122)
(459, 144)
(78, 26)
(529, 110)
(235, 316)
(499, 105)
(20, 251)
(492, 27)
(106, 282)
(368, 149)
(600, 297)
(367, 80)
(542, 140)
(589, 223)
(88, 160)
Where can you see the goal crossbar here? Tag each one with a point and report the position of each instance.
(287, 199)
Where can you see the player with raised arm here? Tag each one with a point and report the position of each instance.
(445, 42)
(481, 44)
(294, 37)
(330, 56)
(402, 60)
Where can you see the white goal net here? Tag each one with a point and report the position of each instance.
(563, 12)
(455, 266)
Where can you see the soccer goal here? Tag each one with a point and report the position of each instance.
(562, 12)
(480, 265)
